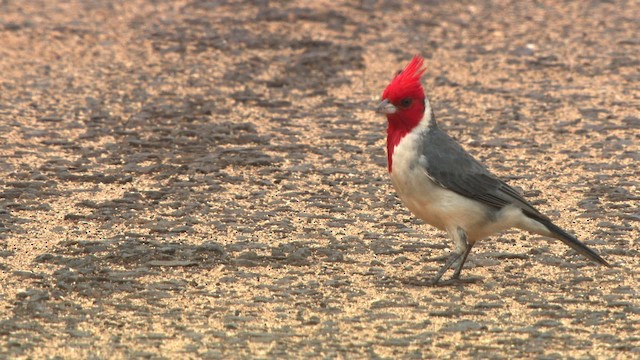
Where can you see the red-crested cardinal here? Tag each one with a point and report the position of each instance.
(444, 185)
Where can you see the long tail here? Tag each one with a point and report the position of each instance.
(574, 243)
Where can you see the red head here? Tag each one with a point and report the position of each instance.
(403, 102)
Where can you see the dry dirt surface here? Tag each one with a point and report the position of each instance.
(207, 179)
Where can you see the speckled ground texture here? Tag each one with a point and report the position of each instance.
(207, 179)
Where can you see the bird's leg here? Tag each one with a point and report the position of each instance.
(461, 252)
(455, 256)
(456, 274)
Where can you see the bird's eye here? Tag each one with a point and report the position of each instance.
(406, 102)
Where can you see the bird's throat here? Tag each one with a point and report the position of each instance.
(394, 136)
(402, 123)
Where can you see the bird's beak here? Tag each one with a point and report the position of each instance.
(385, 107)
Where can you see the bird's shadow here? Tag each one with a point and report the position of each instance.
(428, 282)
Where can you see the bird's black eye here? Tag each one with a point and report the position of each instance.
(406, 102)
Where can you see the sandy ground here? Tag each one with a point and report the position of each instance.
(207, 179)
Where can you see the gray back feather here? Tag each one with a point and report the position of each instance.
(449, 165)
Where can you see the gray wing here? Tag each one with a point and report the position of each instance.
(448, 164)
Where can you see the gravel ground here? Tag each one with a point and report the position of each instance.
(207, 179)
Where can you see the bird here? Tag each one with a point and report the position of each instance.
(444, 185)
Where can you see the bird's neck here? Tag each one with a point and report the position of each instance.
(398, 129)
